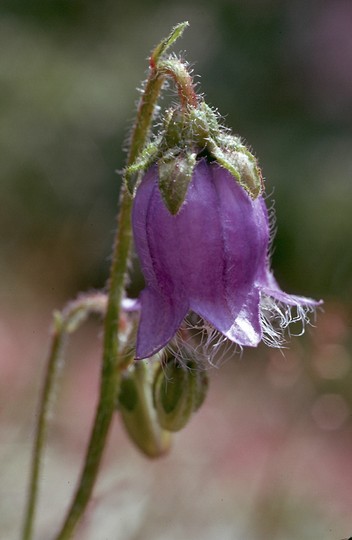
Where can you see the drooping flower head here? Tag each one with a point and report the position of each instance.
(201, 232)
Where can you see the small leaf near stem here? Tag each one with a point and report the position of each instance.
(166, 43)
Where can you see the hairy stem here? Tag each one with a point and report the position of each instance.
(178, 71)
(112, 361)
(65, 323)
(55, 356)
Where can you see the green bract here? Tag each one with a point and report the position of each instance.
(188, 134)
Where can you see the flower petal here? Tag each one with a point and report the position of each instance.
(206, 257)
(244, 235)
(160, 320)
(245, 329)
(140, 213)
(270, 287)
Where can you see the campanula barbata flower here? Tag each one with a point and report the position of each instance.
(205, 247)
(210, 258)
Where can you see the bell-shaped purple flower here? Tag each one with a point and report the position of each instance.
(210, 258)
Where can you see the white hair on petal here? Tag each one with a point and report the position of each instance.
(199, 340)
(272, 229)
(277, 316)
(271, 222)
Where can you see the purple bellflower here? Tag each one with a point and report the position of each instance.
(211, 258)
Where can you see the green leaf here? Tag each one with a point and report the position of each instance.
(166, 43)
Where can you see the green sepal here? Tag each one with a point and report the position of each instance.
(187, 134)
(204, 124)
(236, 158)
(135, 404)
(175, 175)
(175, 130)
(201, 389)
(132, 173)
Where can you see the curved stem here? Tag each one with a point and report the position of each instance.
(177, 70)
(112, 362)
(65, 323)
(56, 350)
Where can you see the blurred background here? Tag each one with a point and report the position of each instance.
(269, 456)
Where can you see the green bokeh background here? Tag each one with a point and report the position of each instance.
(69, 72)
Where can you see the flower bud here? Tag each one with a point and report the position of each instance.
(135, 404)
(179, 390)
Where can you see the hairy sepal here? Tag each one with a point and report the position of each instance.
(175, 175)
